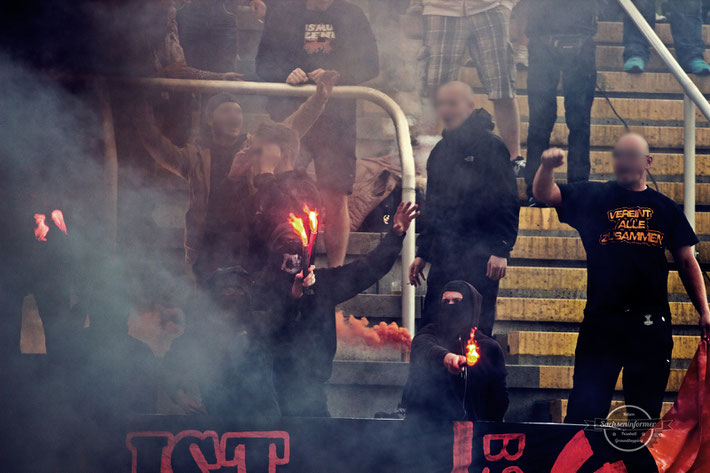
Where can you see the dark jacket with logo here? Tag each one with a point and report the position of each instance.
(480, 393)
(471, 205)
(353, 51)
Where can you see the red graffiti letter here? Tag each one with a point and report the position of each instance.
(503, 454)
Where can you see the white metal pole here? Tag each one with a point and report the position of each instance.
(689, 159)
(342, 92)
(688, 86)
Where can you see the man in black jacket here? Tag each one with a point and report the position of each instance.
(441, 385)
(471, 208)
(301, 40)
(303, 358)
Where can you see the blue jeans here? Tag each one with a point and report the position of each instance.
(686, 18)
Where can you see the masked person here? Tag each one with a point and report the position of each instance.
(470, 214)
(223, 365)
(215, 220)
(626, 228)
(441, 385)
(303, 359)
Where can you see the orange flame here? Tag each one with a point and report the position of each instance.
(299, 228)
(472, 354)
(312, 218)
(42, 229)
(58, 219)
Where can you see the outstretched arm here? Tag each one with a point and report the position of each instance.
(544, 188)
(347, 281)
(303, 119)
(162, 150)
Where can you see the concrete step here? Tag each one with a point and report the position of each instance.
(557, 408)
(667, 137)
(673, 190)
(609, 32)
(610, 81)
(561, 280)
(639, 110)
(612, 58)
(563, 344)
(558, 311)
(560, 377)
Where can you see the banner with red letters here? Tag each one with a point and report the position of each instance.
(190, 445)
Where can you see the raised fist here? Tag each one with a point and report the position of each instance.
(553, 158)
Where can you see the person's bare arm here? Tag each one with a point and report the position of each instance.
(544, 188)
(303, 119)
(692, 277)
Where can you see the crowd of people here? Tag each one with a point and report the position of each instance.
(261, 336)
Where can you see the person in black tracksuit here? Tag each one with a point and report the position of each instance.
(561, 48)
(626, 229)
(470, 215)
(439, 386)
(303, 355)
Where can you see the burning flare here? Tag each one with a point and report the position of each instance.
(299, 228)
(41, 229)
(312, 218)
(472, 354)
(58, 219)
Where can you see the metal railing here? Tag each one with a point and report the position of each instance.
(282, 90)
(692, 97)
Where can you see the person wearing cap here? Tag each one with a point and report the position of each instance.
(213, 236)
(441, 386)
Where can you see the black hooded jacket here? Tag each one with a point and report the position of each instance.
(432, 392)
(471, 205)
(309, 341)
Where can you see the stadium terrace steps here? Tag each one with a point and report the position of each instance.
(557, 409)
(612, 32)
(662, 83)
(562, 344)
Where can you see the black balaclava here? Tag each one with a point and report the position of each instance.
(457, 319)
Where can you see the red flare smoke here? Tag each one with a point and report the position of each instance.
(356, 331)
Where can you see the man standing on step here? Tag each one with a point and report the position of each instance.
(483, 28)
(471, 208)
(563, 48)
(302, 39)
(686, 18)
(626, 228)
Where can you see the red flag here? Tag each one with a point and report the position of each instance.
(682, 443)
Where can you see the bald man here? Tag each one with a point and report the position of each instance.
(471, 208)
(626, 228)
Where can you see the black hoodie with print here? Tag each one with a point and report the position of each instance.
(339, 38)
(432, 392)
(471, 205)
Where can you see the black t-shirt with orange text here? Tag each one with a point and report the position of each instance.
(625, 234)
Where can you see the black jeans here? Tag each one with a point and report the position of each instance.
(686, 19)
(641, 343)
(473, 271)
(572, 58)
